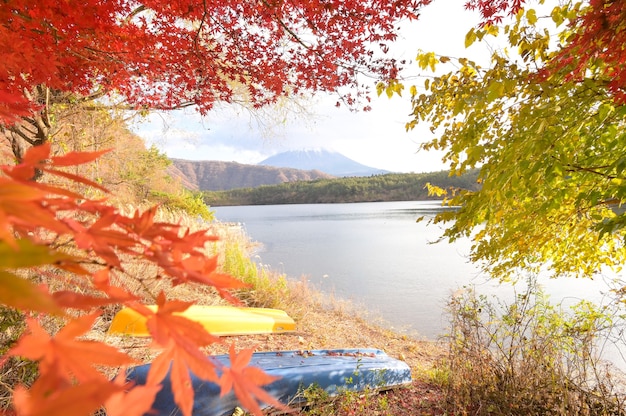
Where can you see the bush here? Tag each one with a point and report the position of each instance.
(528, 357)
(189, 202)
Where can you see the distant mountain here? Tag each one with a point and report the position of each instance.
(332, 163)
(209, 175)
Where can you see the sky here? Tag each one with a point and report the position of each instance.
(376, 138)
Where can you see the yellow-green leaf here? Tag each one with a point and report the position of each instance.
(495, 91)
(427, 60)
(470, 37)
(434, 190)
(28, 254)
(557, 15)
(380, 87)
(19, 293)
(398, 87)
(492, 30)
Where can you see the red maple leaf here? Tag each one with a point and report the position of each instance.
(67, 383)
(82, 399)
(65, 356)
(182, 340)
(247, 381)
(132, 400)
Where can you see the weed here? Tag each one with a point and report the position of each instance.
(318, 401)
(439, 375)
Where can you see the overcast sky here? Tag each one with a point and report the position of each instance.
(376, 138)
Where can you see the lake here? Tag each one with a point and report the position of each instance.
(379, 257)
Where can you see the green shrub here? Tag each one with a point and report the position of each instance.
(191, 203)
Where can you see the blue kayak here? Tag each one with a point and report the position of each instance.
(333, 371)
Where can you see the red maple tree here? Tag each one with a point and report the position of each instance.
(165, 55)
(154, 54)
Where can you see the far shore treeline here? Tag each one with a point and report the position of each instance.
(389, 187)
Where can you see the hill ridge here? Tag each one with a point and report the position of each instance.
(211, 175)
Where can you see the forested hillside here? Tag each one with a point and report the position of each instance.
(390, 187)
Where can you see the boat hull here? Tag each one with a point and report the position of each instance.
(217, 320)
(333, 371)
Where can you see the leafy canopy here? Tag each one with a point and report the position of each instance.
(167, 54)
(544, 121)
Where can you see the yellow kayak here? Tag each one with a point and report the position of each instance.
(217, 320)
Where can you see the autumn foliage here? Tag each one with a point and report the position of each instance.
(543, 122)
(165, 54)
(594, 40)
(171, 54)
(58, 54)
(56, 233)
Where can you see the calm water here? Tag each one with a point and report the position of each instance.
(376, 255)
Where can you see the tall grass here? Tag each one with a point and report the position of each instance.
(267, 288)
